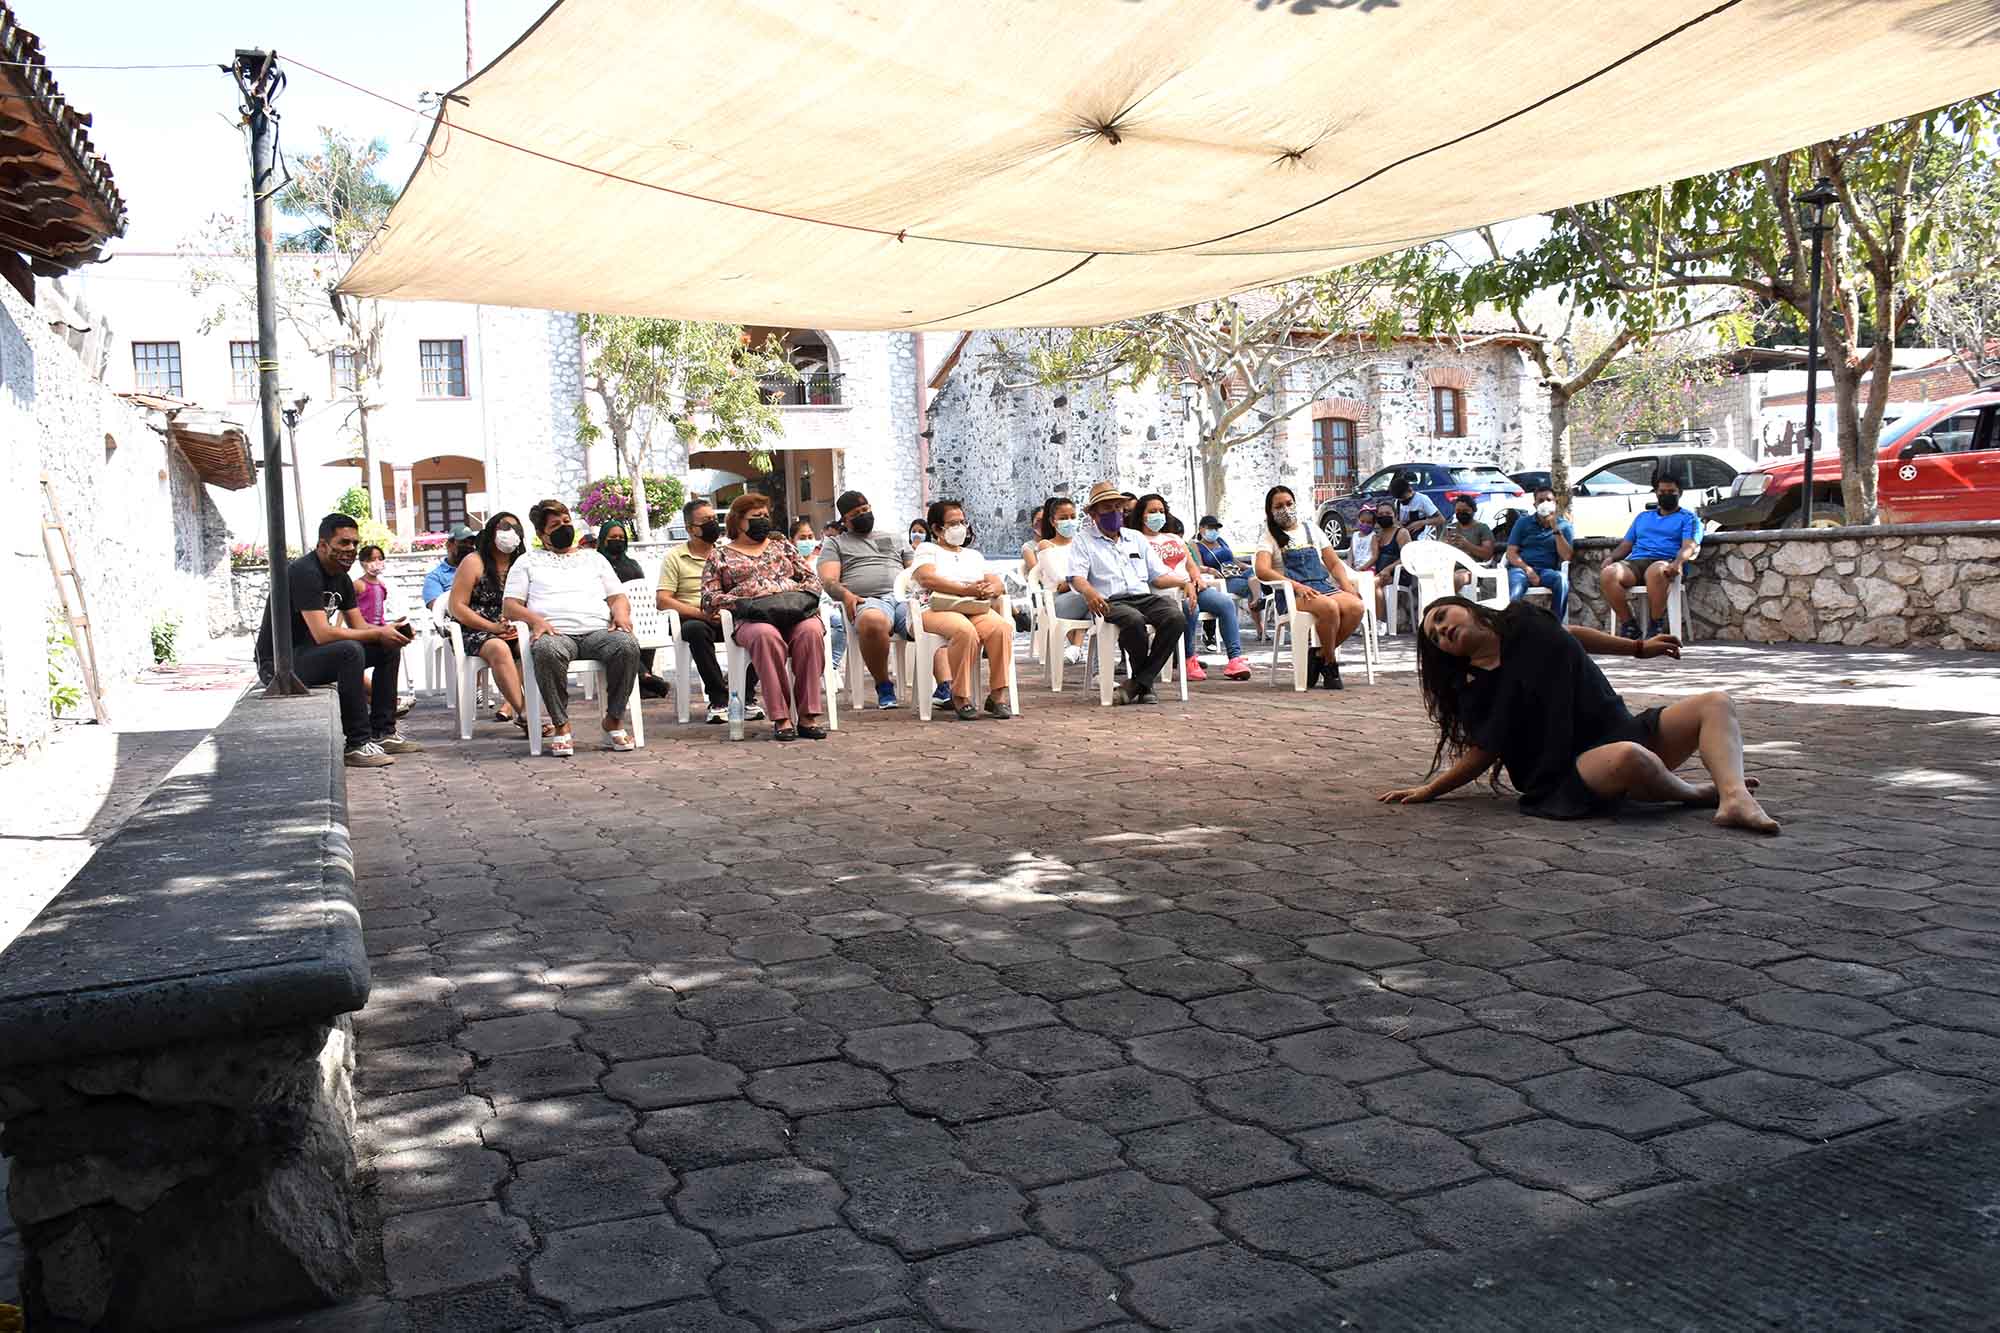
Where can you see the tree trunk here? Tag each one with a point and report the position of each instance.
(628, 460)
(1559, 444)
(369, 480)
(1857, 446)
(1213, 476)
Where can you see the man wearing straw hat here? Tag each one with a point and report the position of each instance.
(1116, 571)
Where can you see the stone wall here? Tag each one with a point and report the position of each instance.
(1004, 449)
(149, 542)
(1925, 585)
(876, 448)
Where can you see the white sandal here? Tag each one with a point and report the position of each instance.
(562, 746)
(618, 739)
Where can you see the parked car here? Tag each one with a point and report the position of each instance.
(1442, 482)
(1939, 464)
(1603, 502)
(1533, 481)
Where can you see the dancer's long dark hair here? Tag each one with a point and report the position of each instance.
(1442, 676)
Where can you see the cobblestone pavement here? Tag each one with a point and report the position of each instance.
(1132, 1018)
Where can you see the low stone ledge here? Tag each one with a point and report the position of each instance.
(176, 1064)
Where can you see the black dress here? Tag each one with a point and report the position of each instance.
(1545, 704)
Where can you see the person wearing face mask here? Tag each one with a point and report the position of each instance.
(377, 601)
(438, 582)
(920, 532)
(614, 543)
(1117, 571)
(1293, 554)
(680, 592)
(958, 595)
(1156, 523)
(1537, 550)
(1215, 554)
(1653, 552)
(859, 568)
(476, 604)
(1467, 534)
(1054, 533)
(809, 544)
(773, 593)
(574, 607)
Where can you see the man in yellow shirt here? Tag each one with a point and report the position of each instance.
(680, 592)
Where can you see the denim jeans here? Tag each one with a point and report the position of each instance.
(1223, 607)
(1552, 579)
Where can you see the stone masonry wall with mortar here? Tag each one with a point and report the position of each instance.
(149, 542)
(1928, 585)
(1005, 449)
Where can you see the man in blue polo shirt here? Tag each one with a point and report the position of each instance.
(1537, 550)
(1655, 549)
(438, 582)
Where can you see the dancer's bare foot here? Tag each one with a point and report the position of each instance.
(1705, 795)
(1744, 812)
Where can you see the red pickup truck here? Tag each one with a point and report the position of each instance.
(1939, 464)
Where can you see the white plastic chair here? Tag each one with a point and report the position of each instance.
(591, 670)
(1302, 630)
(1641, 608)
(657, 629)
(739, 668)
(1433, 565)
(461, 674)
(1055, 630)
(1021, 591)
(1103, 636)
(921, 650)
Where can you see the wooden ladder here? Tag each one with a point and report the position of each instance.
(62, 564)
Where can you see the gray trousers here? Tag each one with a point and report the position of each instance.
(552, 654)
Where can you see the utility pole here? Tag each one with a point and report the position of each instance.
(1818, 199)
(259, 81)
(468, 38)
(292, 415)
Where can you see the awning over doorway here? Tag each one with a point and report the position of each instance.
(882, 164)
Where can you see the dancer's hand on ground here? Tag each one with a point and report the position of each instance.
(1660, 645)
(1408, 795)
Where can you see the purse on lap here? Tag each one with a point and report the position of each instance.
(781, 610)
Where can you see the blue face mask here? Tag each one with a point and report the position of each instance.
(807, 546)
(1211, 534)
(1155, 522)
(1066, 527)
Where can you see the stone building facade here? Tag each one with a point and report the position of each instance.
(1003, 447)
(150, 541)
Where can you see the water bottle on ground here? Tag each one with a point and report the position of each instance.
(735, 714)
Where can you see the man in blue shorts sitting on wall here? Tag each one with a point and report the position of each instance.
(1655, 550)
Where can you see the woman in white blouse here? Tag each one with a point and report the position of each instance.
(961, 597)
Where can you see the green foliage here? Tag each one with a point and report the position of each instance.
(165, 629)
(336, 192)
(353, 503)
(609, 500)
(703, 381)
(376, 533)
(65, 695)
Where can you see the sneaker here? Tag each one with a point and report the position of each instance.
(751, 713)
(1125, 694)
(369, 755)
(885, 694)
(1073, 655)
(717, 715)
(1146, 696)
(405, 704)
(1329, 677)
(1237, 669)
(1629, 630)
(652, 687)
(1655, 627)
(397, 743)
(942, 694)
(1194, 669)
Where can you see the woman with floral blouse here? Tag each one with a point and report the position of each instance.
(758, 562)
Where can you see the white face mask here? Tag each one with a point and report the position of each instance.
(507, 541)
(955, 534)
(1155, 522)
(1066, 527)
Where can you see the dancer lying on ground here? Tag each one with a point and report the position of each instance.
(1513, 687)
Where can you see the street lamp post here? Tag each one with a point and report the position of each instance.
(1818, 199)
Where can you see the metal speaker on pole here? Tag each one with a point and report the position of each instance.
(1818, 199)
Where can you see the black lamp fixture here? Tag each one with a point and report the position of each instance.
(1812, 216)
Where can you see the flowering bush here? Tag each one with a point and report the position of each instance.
(429, 541)
(609, 500)
(247, 553)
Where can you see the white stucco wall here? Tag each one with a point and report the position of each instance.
(149, 541)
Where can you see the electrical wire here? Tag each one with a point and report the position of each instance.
(37, 64)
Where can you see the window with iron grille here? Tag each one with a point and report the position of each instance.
(1334, 463)
(1447, 412)
(442, 363)
(156, 368)
(242, 371)
(444, 505)
(345, 378)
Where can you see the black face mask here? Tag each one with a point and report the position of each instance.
(710, 532)
(1669, 502)
(1464, 517)
(757, 529)
(613, 550)
(562, 538)
(861, 524)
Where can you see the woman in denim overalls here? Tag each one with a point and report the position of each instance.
(1317, 577)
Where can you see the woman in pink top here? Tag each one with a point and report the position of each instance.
(1156, 523)
(758, 562)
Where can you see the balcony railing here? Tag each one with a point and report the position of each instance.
(819, 388)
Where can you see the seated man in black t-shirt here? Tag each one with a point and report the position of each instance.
(333, 645)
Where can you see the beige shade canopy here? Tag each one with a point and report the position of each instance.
(873, 164)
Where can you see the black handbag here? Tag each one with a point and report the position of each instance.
(781, 610)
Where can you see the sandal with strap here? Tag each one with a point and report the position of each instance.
(562, 747)
(618, 739)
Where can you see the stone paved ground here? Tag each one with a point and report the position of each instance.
(1135, 1018)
